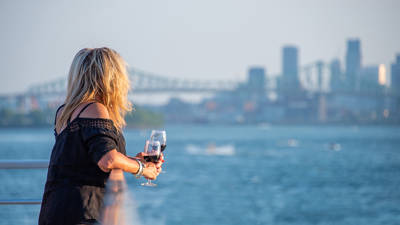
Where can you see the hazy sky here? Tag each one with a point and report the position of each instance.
(206, 39)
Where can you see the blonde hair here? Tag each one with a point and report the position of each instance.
(99, 75)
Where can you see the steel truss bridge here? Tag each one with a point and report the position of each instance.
(314, 78)
(144, 82)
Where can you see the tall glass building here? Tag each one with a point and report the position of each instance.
(290, 68)
(336, 75)
(353, 64)
(256, 79)
(395, 75)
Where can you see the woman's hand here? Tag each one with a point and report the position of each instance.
(150, 171)
(115, 160)
(158, 165)
(140, 156)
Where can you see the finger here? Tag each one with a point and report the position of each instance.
(150, 164)
(154, 176)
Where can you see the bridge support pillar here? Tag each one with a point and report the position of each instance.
(321, 108)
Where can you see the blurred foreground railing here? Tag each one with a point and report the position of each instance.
(112, 213)
(22, 164)
(21, 202)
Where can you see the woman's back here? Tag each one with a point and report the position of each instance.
(89, 141)
(75, 184)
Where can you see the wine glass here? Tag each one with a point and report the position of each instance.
(152, 154)
(161, 136)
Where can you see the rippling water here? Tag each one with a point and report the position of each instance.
(241, 175)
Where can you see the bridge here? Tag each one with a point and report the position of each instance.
(144, 82)
(314, 78)
(311, 75)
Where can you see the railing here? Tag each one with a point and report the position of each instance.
(112, 213)
(22, 164)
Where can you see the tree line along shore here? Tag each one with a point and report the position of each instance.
(44, 118)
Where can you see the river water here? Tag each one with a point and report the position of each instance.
(219, 175)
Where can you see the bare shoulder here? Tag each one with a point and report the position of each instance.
(96, 110)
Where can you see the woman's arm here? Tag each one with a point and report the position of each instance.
(113, 159)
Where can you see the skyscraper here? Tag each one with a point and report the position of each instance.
(290, 69)
(336, 75)
(395, 75)
(256, 84)
(353, 63)
(369, 78)
(256, 78)
(382, 78)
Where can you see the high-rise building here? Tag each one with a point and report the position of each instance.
(382, 78)
(290, 69)
(336, 81)
(353, 63)
(395, 75)
(369, 77)
(256, 79)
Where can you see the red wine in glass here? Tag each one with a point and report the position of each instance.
(161, 136)
(163, 146)
(152, 158)
(152, 154)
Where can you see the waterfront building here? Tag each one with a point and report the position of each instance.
(395, 75)
(353, 64)
(382, 77)
(289, 81)
(369, 78)
(256, 78)
(336, 75)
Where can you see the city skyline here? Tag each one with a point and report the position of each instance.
(190, 40)
(302, 94)
(350, 74)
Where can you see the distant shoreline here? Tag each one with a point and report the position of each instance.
(266, 125)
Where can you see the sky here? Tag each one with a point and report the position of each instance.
(205, 40)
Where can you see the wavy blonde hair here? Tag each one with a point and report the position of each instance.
(100, 75)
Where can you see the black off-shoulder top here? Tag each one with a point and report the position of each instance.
(75, 185)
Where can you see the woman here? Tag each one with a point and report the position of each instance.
(89, 141)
